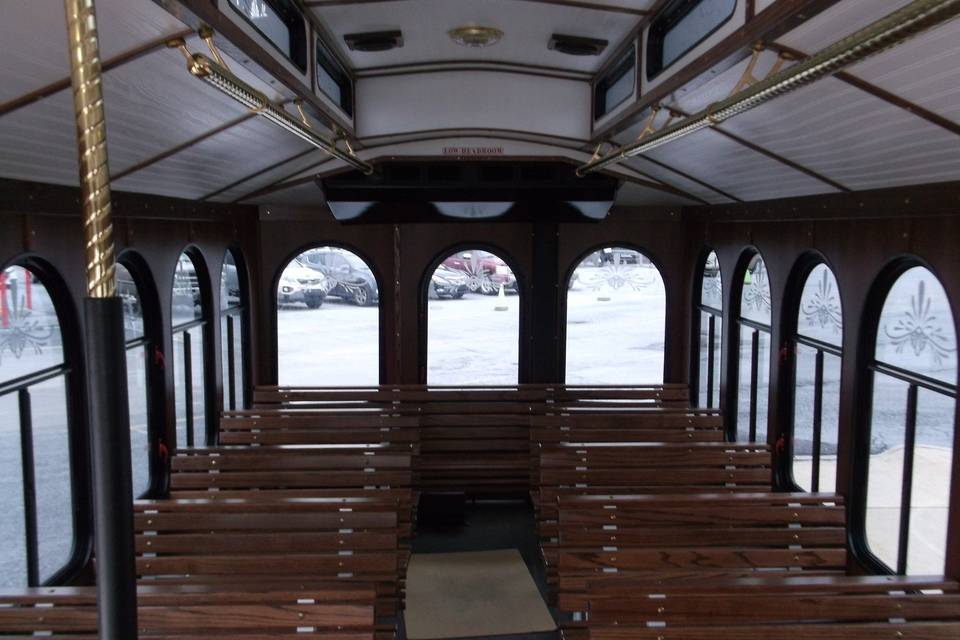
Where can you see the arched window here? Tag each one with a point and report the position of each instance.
(233, 302)
(36, 475)
(473, 324)
(911, 430)
(139, 348)
(328, 320)
(616, 318)
(816, 399)
(189, 365)
(710, 331)
(753, 363)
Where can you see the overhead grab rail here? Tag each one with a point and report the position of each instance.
(217, 75)
(887, 32)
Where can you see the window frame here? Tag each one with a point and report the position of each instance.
(713, 368)
(151, 341)
(72, 369)
(868, 366)
(737, 322)
(661, 25)
(791, 328)
(240, 312)
(291, 17)
(205, 325)
(325, 58)
(629, 61)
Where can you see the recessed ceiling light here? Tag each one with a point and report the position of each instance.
(475, 36)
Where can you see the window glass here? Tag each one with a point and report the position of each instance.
(755, 298)
(230, 295)
(266, 20)
(332, 80)
(617, 85)
(51, 455)
(709, 394)
(473, 328)
(139, 419)
(186, 302)
(914, 385)
(132, 309)
(616, 313)
(916, 327)
(328, 320)
(744, 399)
(803, 419)
(694, 26)
(29, 330)
(821, 316)
(711, 285)
(13, 553)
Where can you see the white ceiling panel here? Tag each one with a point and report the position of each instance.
(848, 135)
(635, 195)
(272, 176)
(735, 169)
(838, 21)
(647, 166)
(924, 70)
(40, 142)
(33, 38)
(527, 27)
(215, 162)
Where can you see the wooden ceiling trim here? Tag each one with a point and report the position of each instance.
(877, 92)
(182, 146)
(112, 63)
(257, 174)
(380, 140)
(768, 25)
(576, 4)
(691, 178)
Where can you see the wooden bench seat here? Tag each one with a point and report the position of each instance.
(210, 542)
(775, 607)
(645, 535)
(341, 612)
(278, 427)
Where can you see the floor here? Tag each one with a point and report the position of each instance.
(487, 525)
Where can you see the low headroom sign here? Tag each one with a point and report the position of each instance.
(473, 151)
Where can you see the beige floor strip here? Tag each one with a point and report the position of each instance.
(481, 593)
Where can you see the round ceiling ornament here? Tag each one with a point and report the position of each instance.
(475, 36)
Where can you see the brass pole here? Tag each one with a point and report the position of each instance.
(91, 146)
(106, 367)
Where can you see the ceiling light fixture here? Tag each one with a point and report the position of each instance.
(475, 36)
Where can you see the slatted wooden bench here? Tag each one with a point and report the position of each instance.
(279, 427)
(331, 612)
(251, 540)
(296, 471)
(652, 536)
(775, 607)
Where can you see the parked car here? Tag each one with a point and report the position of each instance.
(348, 277)
(301, 284)
(485, 271)
(448, 283)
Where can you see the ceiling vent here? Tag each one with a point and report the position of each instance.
(374, 41)
(576, 45)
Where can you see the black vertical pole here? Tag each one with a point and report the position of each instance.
(711, 337)
(29, 488)
(754, 382)
(817, 420)
(231, 368)
(188, 386)
(907, 487)
(112, 484)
